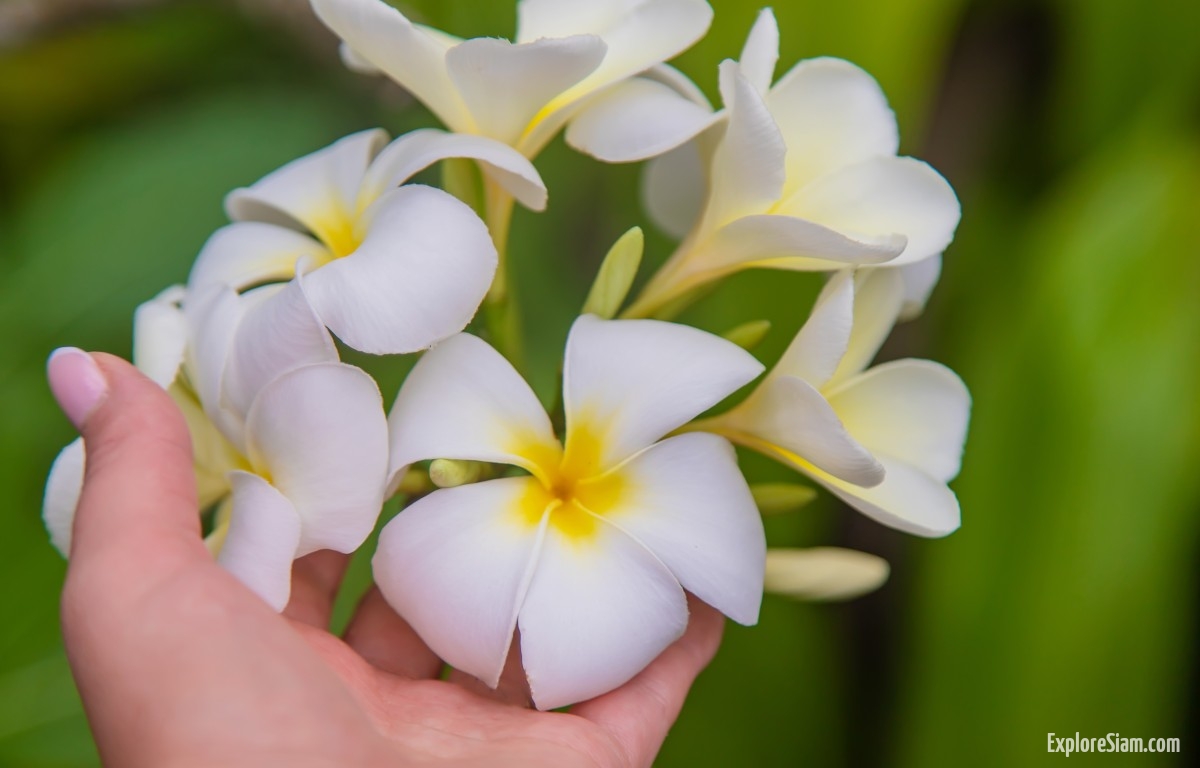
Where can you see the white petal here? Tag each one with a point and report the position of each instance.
(785, 242)
(882, 196)
(878, 295)
(674, 187)
(761, 51)
(356, 63)
(320, 434)
(251, 252)
(626, 383)
(598, 610)
(264, 531)
(63, 488)
(213, 456)
(417, 150)
(914, 410)
(686, 500)
(418, 277)
(160, 336)
(213, 316)
(505, 85)
(277, 334)
(832, 114)
(820, 345)
(463, 400)
(748, 165)
(789, 420)
(919, 280)
(678, 82)
(318, 191)
(561, 18)
(456, 565)
(907, 499)
(410, 55)
(636, 120)
(824, 573)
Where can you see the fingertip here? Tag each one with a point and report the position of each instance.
(77, 383)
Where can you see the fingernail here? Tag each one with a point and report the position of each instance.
(77, 383)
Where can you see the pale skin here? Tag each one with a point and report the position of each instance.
(179, 665)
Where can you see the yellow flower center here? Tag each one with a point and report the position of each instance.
(337, 231)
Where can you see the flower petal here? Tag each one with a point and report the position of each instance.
(417, 150)
(417, 278)
(249, 253)
(626, 383)
(410, 55)
(277, 334)
(598, 610)
(686, 500)
(213, 316)
(824, 573)
(636, 120)
(317, 191)
(881, 196)
(789, 420)
(463, 400)
(456, 565)
(761, 51)
(920, 277)
(785, 242)
(820, 345)
(505, 85)
(748, 165)
(160, 336)
(63, 488)
(908, 499)
(320, 434)
(832, 114)
(674, 187)
(914, 410)
(264, 531)
(878, 296)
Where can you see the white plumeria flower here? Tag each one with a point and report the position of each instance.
(801, 175)
(589, 554)
(520, 93)
(389, 270)
(296, 457)
(886, 439)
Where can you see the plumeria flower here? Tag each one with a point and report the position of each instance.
(801, 175)
(389, 270)
(589, 553)
(520, 93)
(887, 439)
(295, 460)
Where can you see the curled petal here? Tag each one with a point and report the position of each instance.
(824, 573)
(914, 410)
(820, 345)
(463, 400)
(761, 51)
(920, 277)
(687, 502)
(785, 242)
(456, 565)
(249, 253)
(882, 196)
(831, 114)
(908, 499)
(416, 59)
(63, 489)
(320, 434)
(160, 336)
(878, 296)
(264, 531)
(505, 85)
(636, 120)
(626, 383)
(674, 186)
(417, 150)
(213, 317)
(417, 278)
(598, 610)
(315, 191)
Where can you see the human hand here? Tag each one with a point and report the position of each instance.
(178, 664)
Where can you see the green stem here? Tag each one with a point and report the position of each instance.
(500, 309)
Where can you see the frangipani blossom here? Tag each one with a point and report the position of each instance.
(801, 175)
(590, 553)
(289, 443)
(520, 93)
(887, 439)
(389, 270)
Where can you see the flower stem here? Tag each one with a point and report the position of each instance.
(500, 308)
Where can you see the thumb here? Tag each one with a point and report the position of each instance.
(138, 504)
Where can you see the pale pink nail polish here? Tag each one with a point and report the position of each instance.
(77, 383)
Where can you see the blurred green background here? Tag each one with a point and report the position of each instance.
(1070, 304)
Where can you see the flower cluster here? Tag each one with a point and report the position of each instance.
(577, 530)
